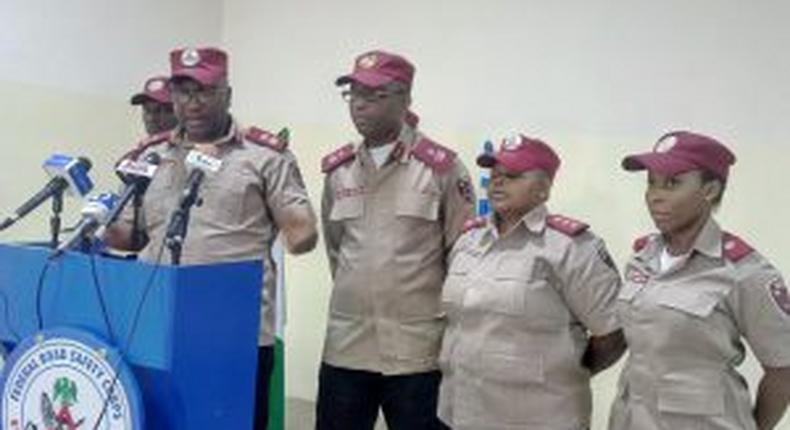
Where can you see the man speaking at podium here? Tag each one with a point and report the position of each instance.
(256, 193)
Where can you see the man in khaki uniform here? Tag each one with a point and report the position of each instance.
(392, 207)
(156, 105)
(530, 303)
(257, 193)
(692, 294)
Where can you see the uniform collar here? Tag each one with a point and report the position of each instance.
(403, 145)
(232, 136)
(534, 221)
(707, 242)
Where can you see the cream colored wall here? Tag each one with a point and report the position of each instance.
(596, 79)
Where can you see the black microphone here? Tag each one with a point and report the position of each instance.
(68, 173)
(191, 188)
(136, 175)
(129, 171)
(201, 164)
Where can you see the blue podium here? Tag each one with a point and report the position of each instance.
(189, 333)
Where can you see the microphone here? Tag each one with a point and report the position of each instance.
(138, 172)
(67, 173)
(136, 175)
(94, 214)
(201, 164)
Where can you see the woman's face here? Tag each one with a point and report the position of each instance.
(678, 202)
(516, 193)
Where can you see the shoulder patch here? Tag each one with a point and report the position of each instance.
(734, 248)
(780, 295)
(569, 226)
(434, 155)
(337, 158)
(473, 223)
(266, 138)
(144, 144)
(640, 243)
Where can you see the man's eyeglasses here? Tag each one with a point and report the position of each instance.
(203, 95)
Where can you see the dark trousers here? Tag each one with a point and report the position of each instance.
(262, 381)
(350, 400)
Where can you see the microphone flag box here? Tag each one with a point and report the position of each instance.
(72, 170)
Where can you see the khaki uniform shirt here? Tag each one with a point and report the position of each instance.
(242, 205)
(387, 232)
(520, 310)
(685, 327)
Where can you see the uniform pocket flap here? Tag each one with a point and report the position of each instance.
(690, 301)
(424, 206)
(347, 208)
(513, 268)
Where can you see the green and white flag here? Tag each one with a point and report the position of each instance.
(277, 386)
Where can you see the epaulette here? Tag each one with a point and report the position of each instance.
(473, 223)
(259, 136)
(337, 158)
(144, 144)
(434, 155)
(734, 248)
(640, 243)
(563, 224)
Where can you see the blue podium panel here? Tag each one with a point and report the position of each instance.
(189, 332)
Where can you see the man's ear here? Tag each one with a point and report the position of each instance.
(544, 192)
(712, 190)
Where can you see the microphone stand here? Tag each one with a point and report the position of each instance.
(137, 232)
(177, 229)
(54, 220)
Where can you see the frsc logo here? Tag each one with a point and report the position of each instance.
(57, 382)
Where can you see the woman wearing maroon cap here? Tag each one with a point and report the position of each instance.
(692, 294)
(530, 304)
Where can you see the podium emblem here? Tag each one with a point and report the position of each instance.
(66, 379)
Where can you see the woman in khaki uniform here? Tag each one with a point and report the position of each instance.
(530, 303)
(692, 293)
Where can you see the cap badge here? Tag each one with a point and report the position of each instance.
(190, 57)
(511, 143)
(666, 144)
(368, 61)
(155, 85)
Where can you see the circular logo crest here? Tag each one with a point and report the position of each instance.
(512, 142)
(368, 61)
(67, 379)
(666, 144)
(190, 57)
(155, 85)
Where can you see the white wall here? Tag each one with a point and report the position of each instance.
(596, 79)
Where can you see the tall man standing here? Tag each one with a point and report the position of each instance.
(392, 207)
(257, 193)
